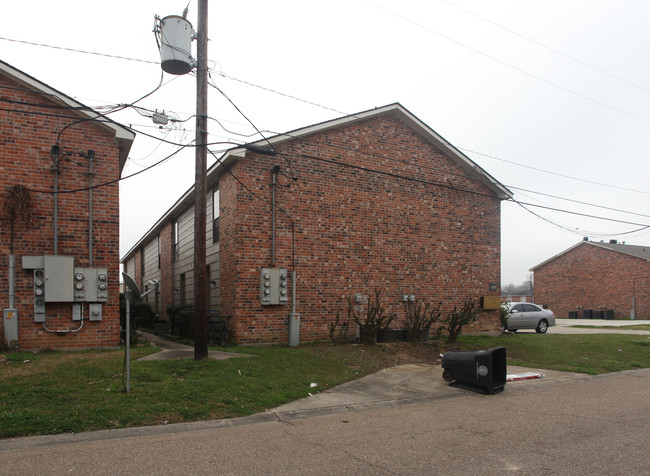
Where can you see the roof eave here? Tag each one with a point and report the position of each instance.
(123, 135)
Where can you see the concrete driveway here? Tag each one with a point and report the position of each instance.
(566, 326)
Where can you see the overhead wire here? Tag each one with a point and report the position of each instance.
(523, 204)
(109, 182)
(508, 65)
(549, 48)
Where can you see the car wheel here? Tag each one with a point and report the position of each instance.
(542, 327)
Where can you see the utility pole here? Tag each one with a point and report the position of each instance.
(200, 279)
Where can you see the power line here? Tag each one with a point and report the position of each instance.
(74, 50)
(582, 214)
(441, 185)
(110, 182)
(554, 173)
(542, 45)
(578, 201)
(516, 68)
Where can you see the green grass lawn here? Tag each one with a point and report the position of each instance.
(58, 392)
(583, 353)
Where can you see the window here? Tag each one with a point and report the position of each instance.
(158, 251)
(215, 214)
(175, 240)
(181, 286)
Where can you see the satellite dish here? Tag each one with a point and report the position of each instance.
(131, 284)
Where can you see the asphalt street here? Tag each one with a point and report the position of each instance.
(590, 425)
(404, 420)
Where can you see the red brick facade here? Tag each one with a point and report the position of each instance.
(30, 124)
(592, 277)
(375, 207)
(368, 202)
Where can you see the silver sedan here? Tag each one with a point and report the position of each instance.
(526, 315)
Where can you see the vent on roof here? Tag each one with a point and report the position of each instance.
(613, 242)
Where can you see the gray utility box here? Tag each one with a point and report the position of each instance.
(273, 286)
(10, 322)
(58, 278)
(90, 284)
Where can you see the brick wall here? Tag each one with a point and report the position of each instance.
(356, 230)
(27, 134)
(590, 276)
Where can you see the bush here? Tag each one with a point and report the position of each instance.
(419, 320)
(503, 310)
(141, 316)
(181, 318)
(339, 331)
(373, 321)
(457, 319)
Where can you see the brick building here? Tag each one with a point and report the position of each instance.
(596, 280)
(372, 201)
(65, 256)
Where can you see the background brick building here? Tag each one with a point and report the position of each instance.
(592, 277)
(45, 141)
(372, 201)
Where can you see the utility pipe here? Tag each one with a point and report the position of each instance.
(91, 173)
(56, 208)
(12, 291)
(274, 181)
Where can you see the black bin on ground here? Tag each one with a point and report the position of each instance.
(482, 371)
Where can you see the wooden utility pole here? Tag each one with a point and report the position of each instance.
(200, 279)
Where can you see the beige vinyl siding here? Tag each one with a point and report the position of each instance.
(151, 270)
(129, 268)
(185, 263)
(212, 260)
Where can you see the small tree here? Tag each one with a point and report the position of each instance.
(419, 319)
(338, 330)
(457, 319)
(373, 321)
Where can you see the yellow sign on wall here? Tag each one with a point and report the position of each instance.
(491, 302)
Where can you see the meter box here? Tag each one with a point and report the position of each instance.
(273, 286)
(39, 295)
(90, 284)
(58, 278)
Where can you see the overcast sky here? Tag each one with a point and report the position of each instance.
(549, 97)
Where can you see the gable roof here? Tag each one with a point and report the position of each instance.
(470, 167)
(123, 135)
(641, 252)
(403, 114)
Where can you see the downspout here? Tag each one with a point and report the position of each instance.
(274, 181)
(91, 173)
(54, 153)
(12, 291)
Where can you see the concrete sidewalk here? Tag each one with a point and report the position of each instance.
(173, 350)
(402, 384)
(596, 326)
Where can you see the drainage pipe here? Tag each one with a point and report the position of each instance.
(56, 209)
(91, 173)
(274, 181)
